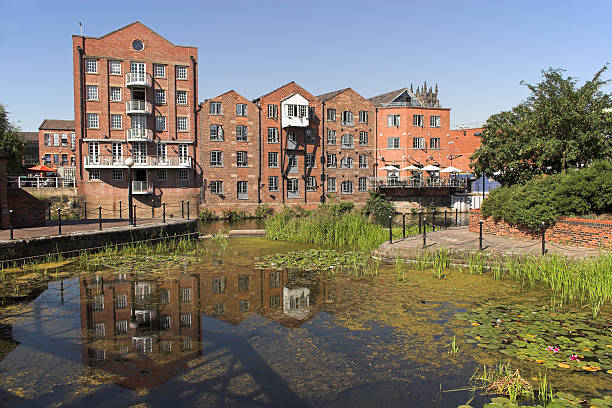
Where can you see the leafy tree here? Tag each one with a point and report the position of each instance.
(379, 207)
(11, 141)
(558, 127)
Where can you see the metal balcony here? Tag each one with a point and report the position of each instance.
(138, 107)
(138, 79)
(169, 162)
(142, 187)
(139, 135)
(97, 162)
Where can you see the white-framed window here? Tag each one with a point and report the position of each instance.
(272, 133)
(92, 92)
(331, 184)
(160, 96)
(363, 161)
(115, 94)
(272, 159)
(293, 186)
(181, 97)
(216, 187)
(242, 190)
(100, 329)
(162, 174)
(114, 67)
(434, 143)
(241, 159)
(347, 118)
(186, 320)
(363, 138)
(310, 137)
(121, 301)
(393, 120)
(117, 174)
(47, 139)
(94, 174)
(311, 183)
(183, 153)
(273, 111)
(346, 163)
(331, 115)
(241, 109)
(98, 303)
(164, 296)
(186, 344)
(310, 160)
(72, 141)
(331, 137)
(292, 161)
(165, 322)
(162, 152)
(91, 66)
(363, 184)
(418, 143)
(434, 121)
(346, 187)
(181, 123)
(216, 133)
(332, 161)
(185, 295)
(56, 139)
(160, 123)
(94, 151)
(347, 141)
(312, 112)
(159, 70)
(216, 158)
(363, 116)
(93, 121)
(122, 326)
(181, 72)
(241, 133)
(64, 139)
(116, 121)
(183, 174)
(273, 183)
(417, 120)
(216, 108)
(393, 142)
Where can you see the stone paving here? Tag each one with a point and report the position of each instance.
(460, 238)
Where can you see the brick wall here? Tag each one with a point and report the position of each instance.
(4, 215)
(567, 230)
(28, 211)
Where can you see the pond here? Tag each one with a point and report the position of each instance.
(223, 333)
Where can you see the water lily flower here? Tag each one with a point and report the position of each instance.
(574, 357)
(553, 349)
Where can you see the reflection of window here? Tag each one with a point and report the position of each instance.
(186, 295)
(98, 303)
(122, 326)
(186, 344)
(186, 320)
(219, 308)
(393, 142)
(164, 322)
(143, 345)
(142, 291)
(164, 296)
(100, 329)
(243, 283)
(272, 159)
(218, 285)
(166, 346)
(274, 302)
(346, 163)
(274, 279)
(363, 161)
(243, 306)
(121, 301)
(310, 160)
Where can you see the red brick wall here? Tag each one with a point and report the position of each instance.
(28, 211)
(464, 143)
(567, 230)
(58, 150)
(4, 215)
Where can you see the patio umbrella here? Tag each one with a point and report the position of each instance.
(430, 168)
(42, 168)
(389, 168)
(450, 169)
(411, 167)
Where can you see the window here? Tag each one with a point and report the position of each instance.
(121, 301)
(56, 157)
(48, 158)
(56, 140)
(162, 152)
(272, 133)
(181, 97)
(216, 108)
(292, 163)
(159, 70)
(417, 120)
(243, 283)
(331, 115)
(219, 308)
(92, 92)
(363, 138)
(216, 158)
(216, 187)
(115, 94)
(241, 133)
(162, 174)
(331, 137)
(114, 67)
(393, 142)
(273, 111)
(186, 295)
(346, 163)
(331, 184)
(116, 121)
(243, 306)
(291, 140)
(434, 121)
(218, 285)
(181, 72)
(241, 109)
(273, 183)
(296, 110)
(186, 320)
(347, 118)
(241, 159)
(47, 139)
(418, 143)
(160, 123)
(91, 66)
(302, 111)
(310, 160)
(363, 184)
(275, 302)
(164, 296)
(72, 141)
(272, 159)
(347, 141)
(160, 96)
(434, 143)
(122, 326)
(332, 161)
(98, 303)
(310, 137)
(183, 154)
(93, 121)
(64, 139)
(117, 174)
(216, 133)
(274, 278)
(181, 123)
(94, 174)
(293, 188)
(393, 120)
(311, 183)
(363, 116)
(346, 187)
(94, 152)
(183, 174)
(363, 161)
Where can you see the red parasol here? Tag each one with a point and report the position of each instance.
(42, 168)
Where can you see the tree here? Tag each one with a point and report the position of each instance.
(11, 141)
(558, 127)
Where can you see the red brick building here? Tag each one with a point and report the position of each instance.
(463, 143)
(57, 143)
(136, 96)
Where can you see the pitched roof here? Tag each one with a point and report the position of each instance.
(131, 24)
(57, 124)
(271, 92)
(30, 136)
(327, 96)
(383, 99)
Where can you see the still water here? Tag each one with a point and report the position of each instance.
(222, 333)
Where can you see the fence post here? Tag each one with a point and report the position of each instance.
(11, 222)
(404, 225)
(420, 220)
(187, 209)
(85, 209)
(433, 221)
(182, 208)
(480, 236)
(49, 208)
(164, 212)
(424, 234)
(390, 230)
(445, 211)
(100, 216)
(456, 216)
(120, 217)
(134, 213)
(152, 209)
(59, 219)
(543, 238)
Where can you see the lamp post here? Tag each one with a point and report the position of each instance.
(129, 162)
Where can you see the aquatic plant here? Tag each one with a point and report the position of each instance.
(453, 346)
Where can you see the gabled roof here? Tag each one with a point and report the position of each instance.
(280, 87)
(57, 124)
(131, 24)
(327, 96)
(386, 98)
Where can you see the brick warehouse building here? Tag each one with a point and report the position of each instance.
(57, 143)
(135, 95)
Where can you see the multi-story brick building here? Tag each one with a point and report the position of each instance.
(31, 156)
(135, 96)
(57, 143)
(463, 143)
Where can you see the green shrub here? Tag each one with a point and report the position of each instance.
(234, 215)
(207, 214)
(379, 207)
(264, 211)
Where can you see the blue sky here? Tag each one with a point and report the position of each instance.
(476, 51)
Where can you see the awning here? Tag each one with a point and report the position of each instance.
(430, 168)
(450, 169)
(411, 167)
(42, 168)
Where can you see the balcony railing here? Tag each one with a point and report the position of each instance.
(142, 187)
(138, 79)
(138, 107)
(41, 182)
(139, 161)
(182, 162)
(411, 182)
(98, 161)
(347, 123)
(139, 135)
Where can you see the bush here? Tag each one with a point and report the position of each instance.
(207, 214)
(234, 215)
(264, 211)
(379, 207)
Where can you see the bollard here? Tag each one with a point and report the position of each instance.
(182, 208)
(404, 225)
(62, 291)
(49, 208)
(59, 219)
(445, 211)
(85, 209)
(390, 230)
(164, 212)
(433, 221)
(152, 209)
(100, 216)
(480, 236)
(187, 209)
(424, 234)
(120, 217)
(11, 223)
(543, 238)
(134, 216)
(456, 216)
(420, 220)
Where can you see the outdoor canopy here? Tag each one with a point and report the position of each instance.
(450, 169)
(411, 167)
(42, 168)
(389, 168)
(430, 168)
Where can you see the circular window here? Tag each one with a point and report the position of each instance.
(137, 45)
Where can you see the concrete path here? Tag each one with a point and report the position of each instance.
(461, 238)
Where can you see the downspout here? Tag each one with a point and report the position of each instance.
(282, 155)
(81, 50)
(196, 109)
(376, 146)
(259, 153)
(323, 155)
(305, 153)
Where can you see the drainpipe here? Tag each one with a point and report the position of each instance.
(323, 155)
(376, 146)
(81, 50)
(282, 155)
(196, 109)
(305, 153)
(259, 154)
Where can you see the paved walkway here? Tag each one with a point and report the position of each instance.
(461, 238)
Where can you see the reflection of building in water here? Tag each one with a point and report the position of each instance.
(296, 302)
